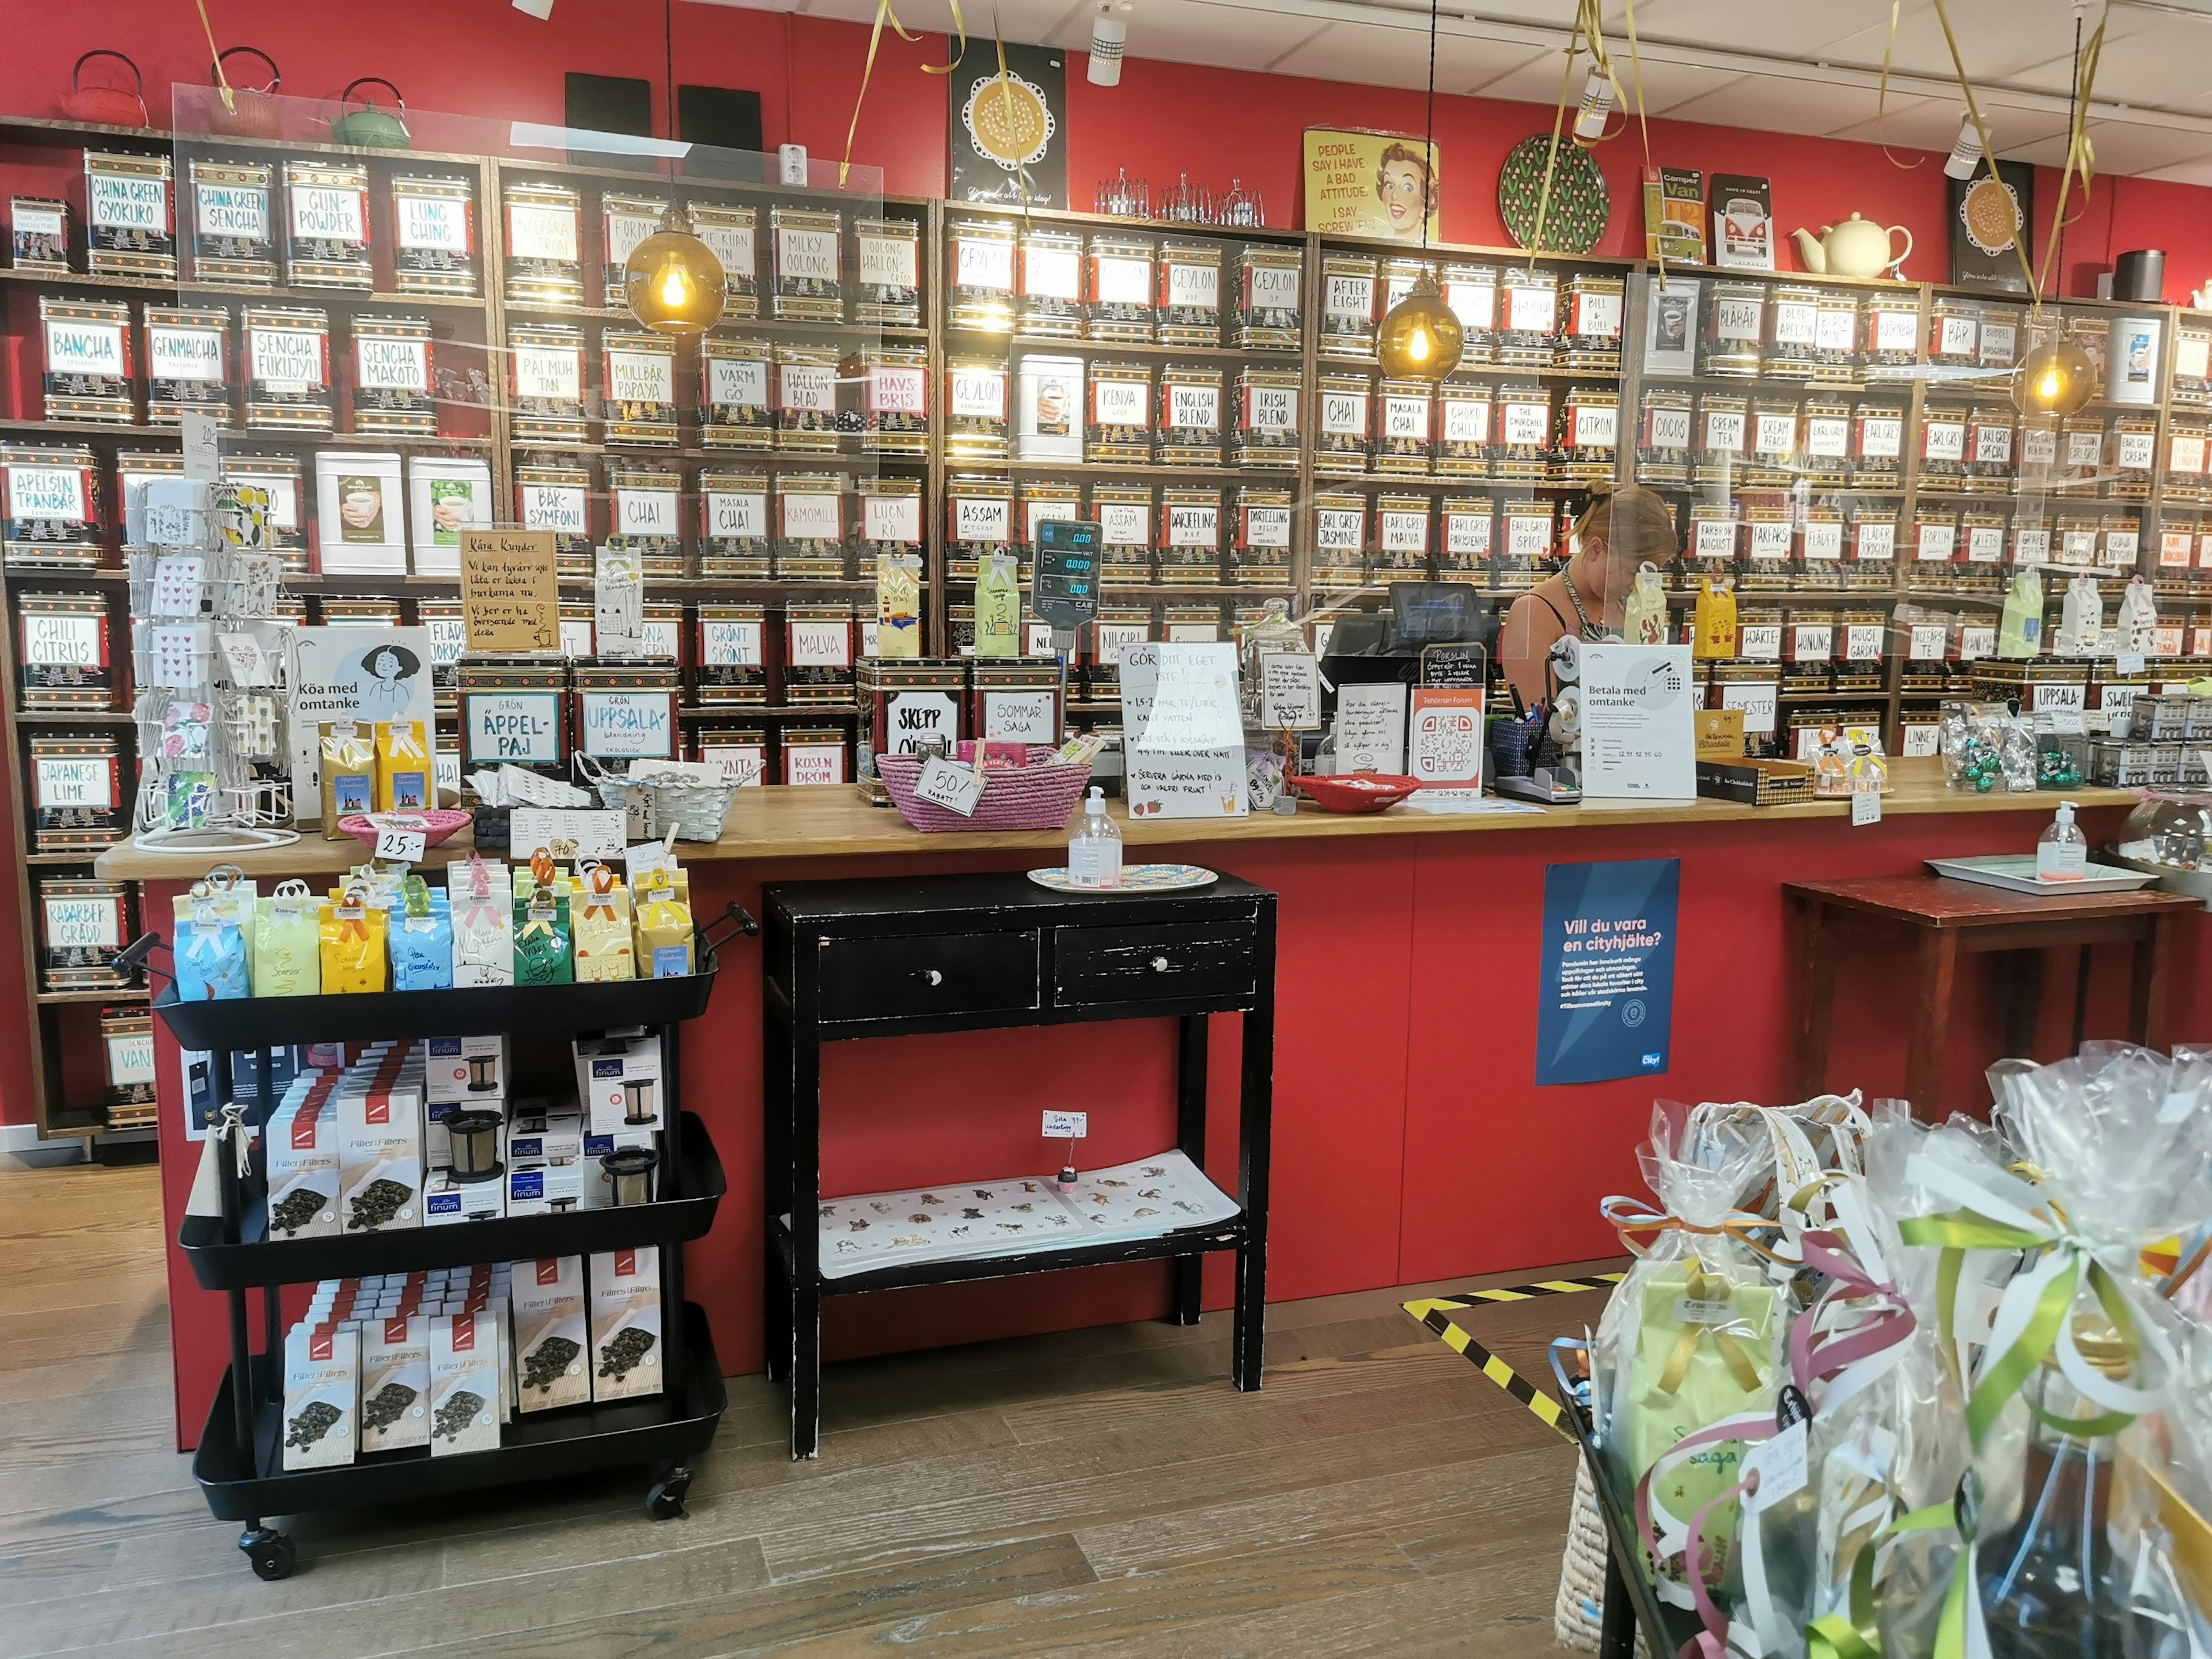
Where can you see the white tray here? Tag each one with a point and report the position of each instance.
(2015, 872)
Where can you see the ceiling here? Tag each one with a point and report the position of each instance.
(1804, 66)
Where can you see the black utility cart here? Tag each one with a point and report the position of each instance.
(958, 953)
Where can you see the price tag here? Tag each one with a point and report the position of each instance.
(1780, 1462)
(955, 788)
(1065, 1126)
(2130, 663)
(404, 845)
(1865, 807)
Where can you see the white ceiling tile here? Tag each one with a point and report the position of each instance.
(2189, 173)
(1997, 38)
(2125, 147)
(1665, 85)
(1933, 124)
(1778, 104)
(2163, 64)
(1388, 57)
(1776, 26)
(1203, 31)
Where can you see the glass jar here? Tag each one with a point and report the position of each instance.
(1724, 419)
(1790, 347)
(234, 241)
(734, 392)
(1836, 339)
(1260, 551)
(2135, 454)
(1981, 536)
(2184, 459)
(1769, 539)
(1189, 293)
(545, 245)
(1529, 307)
(1267, 417)
(1524, 431)
(981, 295)
(1469, 535)
(979, 521)
(809, 526)
(545, 383)
(1403, 438)
(1873, 546)
(1735, 321)
(2119, 546)
(287, 369)
(1773, 443)
(1124, 512)
(1463, 428)
(887, 270)
(1048, 295)
(1955, 334)
(1999, 347)
(1877, 445)
(625, 220)
(1588, 434)
(1989, 449)
(1339, 539)
(1270, 315)
(806, 399)
(1471, 291)
(733, 538)
(1190, 427)
(2192, 364)
(1827, 440)
(1190, 537)
(2080, 455)
(638, 394)
(326, 225)
(1121, 425)
(1821, 533)
(1402, 538)
(188, 365)
(730, 236)
(733, 647)
(807, 252)
(1711, 553)
(890, 388)
(1890, 341)
(1662, 439)
(1118, 285)
(1527, 555)
(1942, 447)
(2074, 540)
(974, 409)
(1346, 426)
(1589, 334)
(1348, 305)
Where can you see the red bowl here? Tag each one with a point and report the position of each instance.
(1361, 792)
(440, 823)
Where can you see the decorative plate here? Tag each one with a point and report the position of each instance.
(1580, 203)
(1135, 878)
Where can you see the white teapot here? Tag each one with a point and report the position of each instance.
(1857, 247)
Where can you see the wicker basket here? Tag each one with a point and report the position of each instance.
(696, 811)
(1038, 796)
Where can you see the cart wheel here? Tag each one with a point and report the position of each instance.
(270, 1552)
(665, 1501)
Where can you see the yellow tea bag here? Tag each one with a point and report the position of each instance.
(403, 767)
(898, 605)
(348, 765)
(288, 947)
(1715, 620)
(353, 933)
(601, 929)
(663, 928)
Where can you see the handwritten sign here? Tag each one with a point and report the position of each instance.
(403, 845)
(955, 788)
(1185, 754)
(1290, 691)
(1370, 727)
(570, 832)
(510, 590)
(1066, 1125)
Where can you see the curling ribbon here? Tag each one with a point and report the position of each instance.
(1989, 156)
(1836, 1636)
(1629, 1216)
(1881, 97)
(1672, 1538)
(884, 14)
(600, 900)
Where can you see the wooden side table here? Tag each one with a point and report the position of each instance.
(1936, 920)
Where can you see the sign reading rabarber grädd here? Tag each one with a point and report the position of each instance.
(351, 671)
(1606, 987)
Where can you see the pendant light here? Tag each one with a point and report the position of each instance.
(2057, 377)
(672, 281)
(1421, 338)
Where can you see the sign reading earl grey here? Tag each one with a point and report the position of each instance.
(510, 590)
(1010, 132)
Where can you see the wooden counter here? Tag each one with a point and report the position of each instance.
(779, 821)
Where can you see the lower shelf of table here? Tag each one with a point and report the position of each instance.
(1229, 1235)
(241, 1484)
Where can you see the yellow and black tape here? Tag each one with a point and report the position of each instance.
(1436, 1313)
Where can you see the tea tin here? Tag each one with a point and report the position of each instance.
(728, 232)
(1117, 286)
(553, 492)
(545, 245)
(326, 225)
(89, 372)
(233, 239)
(52, 507)
(1048, 302)
(887, 265)
(1269, 314)
(1189, 428)
(545, 383)
(1121, 424)
(809, 526)
(733, 391)
(433, 235)
(129, 228)
(638, 387)
(187, 363)
(393, 390)
(625, 220)
(733, 525)
(808, 263)
(644, 514)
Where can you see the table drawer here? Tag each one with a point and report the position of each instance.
(938, 974)
(1160, 964)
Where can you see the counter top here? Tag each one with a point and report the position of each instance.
(781, 822)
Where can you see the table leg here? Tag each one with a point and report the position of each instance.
(1255, 1115)
(1936, 971)
(776, 1183)
(2018, 976)
(806, 1370)
(1816, 996)
(2154, 965)
(1190, 1136)
(2081, 998)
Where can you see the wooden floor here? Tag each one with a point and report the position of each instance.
(1099, 1492)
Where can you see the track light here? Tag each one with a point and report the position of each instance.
(1109, 34)
(541, 9)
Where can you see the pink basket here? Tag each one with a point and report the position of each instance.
(1038, 796)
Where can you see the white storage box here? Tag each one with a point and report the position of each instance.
(1048, 418)
(361, 520)
(446, 495)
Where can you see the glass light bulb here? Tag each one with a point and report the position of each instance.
(673, 282)
(674, 290)
(1420, 337)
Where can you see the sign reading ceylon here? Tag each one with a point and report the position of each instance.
(510, 590)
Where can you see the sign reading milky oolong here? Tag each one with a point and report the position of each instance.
(510, 590)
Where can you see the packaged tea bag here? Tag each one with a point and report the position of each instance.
(288, 946)
(2138, 622)
(997, 607)
(348, 764)
(353, 934)
(543, 955)
(403, 767)
(602, 929)
(209, 950)
(1715, 619)
(664, 926)
(2020, 629)
(1644, 618)
(481, 907)
(898, 605)
(2081, 623)
(420, 936)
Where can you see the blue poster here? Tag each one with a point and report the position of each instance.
(1607, 984)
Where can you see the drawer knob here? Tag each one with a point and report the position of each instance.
(1159, 964)
(930, 976)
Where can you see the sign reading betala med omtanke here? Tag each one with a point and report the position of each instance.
(1606, 985)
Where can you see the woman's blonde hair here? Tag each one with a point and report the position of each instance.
(1633, 522)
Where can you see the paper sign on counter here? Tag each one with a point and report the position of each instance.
(403, 845)
(1639, 728)
(944, 783)
(1370, 727)
(1443, 743)
(1064, 1126)
(510, 590)
(570, 832)
(1290, 691)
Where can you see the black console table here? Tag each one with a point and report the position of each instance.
(956, 953)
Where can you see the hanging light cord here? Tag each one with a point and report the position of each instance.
(1429, 146)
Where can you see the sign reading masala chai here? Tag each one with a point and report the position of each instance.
(1371, 184)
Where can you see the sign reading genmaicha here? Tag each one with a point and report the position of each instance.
(510, 590)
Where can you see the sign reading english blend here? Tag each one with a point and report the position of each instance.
(1606, 983)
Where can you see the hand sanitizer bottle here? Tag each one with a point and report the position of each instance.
(1094, 851)
(2063, 854)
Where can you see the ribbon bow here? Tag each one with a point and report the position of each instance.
(1819, 1350)
(354, 927)
(406, 745)
(416, 893)
(600, 900)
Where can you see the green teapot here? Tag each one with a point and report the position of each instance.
(369, 127)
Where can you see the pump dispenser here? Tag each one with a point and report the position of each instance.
(1094, 852)
(2063, 853)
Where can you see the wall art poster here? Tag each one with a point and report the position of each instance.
(1371, 184)
(1606, 983)
(1010, 135)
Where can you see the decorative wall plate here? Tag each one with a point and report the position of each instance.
(1580, 203)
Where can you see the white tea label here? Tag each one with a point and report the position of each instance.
(238, 210)
(807, 255)
(177, 352)
(641, 377)
(742, 381)
(75, 348)
(737, 514)
(979, 394)
(560, 507)
(330, 215)
(645, 512)
(119, 201)
(535, 232)
(806, 388)
(430, 224)
(554, 372)
(391, 365)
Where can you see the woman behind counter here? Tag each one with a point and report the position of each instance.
(1586, 597)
